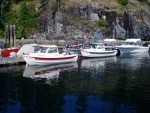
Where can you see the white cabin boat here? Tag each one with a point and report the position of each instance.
(96, 50)
(48, 55)
(132, 46)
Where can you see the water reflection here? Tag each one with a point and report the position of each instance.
(134, 61)
(97, 62)
(103, 85)
(47, 73)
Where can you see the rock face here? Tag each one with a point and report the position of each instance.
(62, 19)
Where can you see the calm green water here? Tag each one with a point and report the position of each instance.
(106, 85)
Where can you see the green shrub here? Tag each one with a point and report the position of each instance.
(123, 2)
(102, 22)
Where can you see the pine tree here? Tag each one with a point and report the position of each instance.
(26, 20)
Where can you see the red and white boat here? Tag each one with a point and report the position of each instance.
(48, 55)
(7, 51)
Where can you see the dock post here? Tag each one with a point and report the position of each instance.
(14, 35)
(7, 35)
(10, 29)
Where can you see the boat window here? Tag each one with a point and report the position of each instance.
(92, 46)
(37, 48)
(101, 44)
(43, 50)
(138, 43)
(52, 50)
(131, 43)
(135, 44)
(123, 43)
(99, 47)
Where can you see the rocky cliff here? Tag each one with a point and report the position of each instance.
(79, 18)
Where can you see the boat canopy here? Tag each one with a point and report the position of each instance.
(110, 40)
(48, 46)
(133, 40)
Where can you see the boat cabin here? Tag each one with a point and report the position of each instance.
(47, 49)
(96, 46)
(134, 42)
(110, 42)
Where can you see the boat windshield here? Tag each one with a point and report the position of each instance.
(128, 43)
(131, 43)
(43, 49)
(92, 46)
(37, 48)
(96, 45)
(52, 50)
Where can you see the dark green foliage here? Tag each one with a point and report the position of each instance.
(102, 22)
(18, 1)
(123, 2)
(1, 32)
(5, 6)
(1, 28)
(11, 18)
(26, 20)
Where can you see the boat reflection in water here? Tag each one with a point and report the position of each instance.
(97, 62)
(133, 61)
(97, 66)
(47, 74)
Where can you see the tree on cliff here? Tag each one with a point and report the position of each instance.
(27, 19)
(4, 8)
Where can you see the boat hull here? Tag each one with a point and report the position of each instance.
(49, 60)
(92, 54)
(131, 49)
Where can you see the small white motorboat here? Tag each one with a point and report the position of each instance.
(48, 55)
(132, 46)
(96, 50)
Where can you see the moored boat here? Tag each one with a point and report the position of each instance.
(48, 55)
(132, 46)
(7, 51)
(96, 50)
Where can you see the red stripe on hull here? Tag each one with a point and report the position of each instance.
(62, 58)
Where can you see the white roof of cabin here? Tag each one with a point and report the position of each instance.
(132, 40)
(48, 46)
(110, 40)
